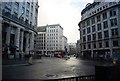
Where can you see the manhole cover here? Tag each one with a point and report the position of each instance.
(51, 75)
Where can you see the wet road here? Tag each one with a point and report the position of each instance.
(49, 68)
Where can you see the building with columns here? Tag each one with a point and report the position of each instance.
(19, 22)
(100, 30)
(50, 39)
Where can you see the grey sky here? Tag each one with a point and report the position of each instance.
(67, 13)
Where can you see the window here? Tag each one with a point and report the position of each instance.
(83, 24)
(23, 10)
(105, 24)
(31, 16)
(100, 45)
(15, 14)
(114, 32)
(115, 43)
(98, 18)
(104, 15)
(100, 35)
(103, 7)
(88, 22)
(94, 45)
(94, 36)
(7, 12)
(88, 30)
(113, 22)
(31, 8)
(93, 28)
(27, 13)
(26, 21)
(84, 46)
(112, 12)
(89, 46)
(98, 9)
(16, 5)
(107, 44)
(83, 31)
(112, 3)
(84, 39)
(99, 26)
(106, 34)
(93, 20)
(12, 37)
(28, 5)
(89, 37)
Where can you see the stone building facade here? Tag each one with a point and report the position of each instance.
(19, 22)
(100, 30)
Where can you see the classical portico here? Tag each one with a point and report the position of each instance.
(18, 38)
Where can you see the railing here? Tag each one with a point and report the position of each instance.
(17, 20)
(78, 78)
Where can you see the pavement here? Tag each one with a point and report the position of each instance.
(47, 68)
(17, 62)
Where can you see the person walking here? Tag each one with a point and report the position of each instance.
(30, 61)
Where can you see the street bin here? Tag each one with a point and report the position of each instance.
(108, 72)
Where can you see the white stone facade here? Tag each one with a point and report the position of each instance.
(99, 30)
(19, 22)
(52, 35)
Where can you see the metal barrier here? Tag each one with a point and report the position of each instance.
(78, 78)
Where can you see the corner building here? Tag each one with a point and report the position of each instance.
(50, 39)
(100, 30)
(19, 22)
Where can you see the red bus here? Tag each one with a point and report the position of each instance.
(59, 54)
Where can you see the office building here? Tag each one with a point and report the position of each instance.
(100, 30)
(19, 22)
(50, 39)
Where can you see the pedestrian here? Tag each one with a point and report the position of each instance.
(30, 60)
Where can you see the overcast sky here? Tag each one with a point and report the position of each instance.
(67, 13)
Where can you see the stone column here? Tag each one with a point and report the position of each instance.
(8, 40)
(8, 35)
(32, 41)
(27, 43)
(17, 40)
(21, 44)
